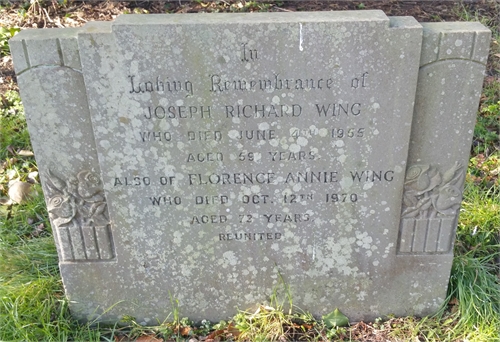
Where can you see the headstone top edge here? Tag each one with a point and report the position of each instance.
(250, 18)
(404, 22)
(46, 34)
(96, 27)
(455, 26)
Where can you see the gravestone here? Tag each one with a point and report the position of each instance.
(208, 157)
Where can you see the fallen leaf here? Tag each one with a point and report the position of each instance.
(33, 175)
(231, 329)
(215, 334)
(6, 201)
(185, 331)
(149, 338)
(307, 326)
(38, 230)
(20, 191)
(123, 338)
(25, 153)
(12, 174)
(11, 150)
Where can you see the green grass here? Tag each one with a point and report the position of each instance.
(487, 130)
(33, 306)
(13, 130)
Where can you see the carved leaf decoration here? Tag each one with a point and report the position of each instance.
(411, 212)
(458, 179)
(448, 175)
(410, 198)
(434, 181)
(56, 183)
(62, 222)
(97, 209)
(52, 189)
(95, 199)
(423, 204)
(72, 186)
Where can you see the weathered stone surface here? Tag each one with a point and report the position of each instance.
(449, 86)
(203, 157)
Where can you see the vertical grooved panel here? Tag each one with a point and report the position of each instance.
(104, 242)
(26, 54)
(65, 244)
(432, 235)
(90, 243)
(446, 234)
(59, 51)
(420, 235)
(406, 238)
(77, 243)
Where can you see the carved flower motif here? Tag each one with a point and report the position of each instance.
(415, 171)
(428, 194)
(422, 178)
(89, 186)
(447, 199)
(78, 200)
(91, 178)
(61, 207)
(56, 201)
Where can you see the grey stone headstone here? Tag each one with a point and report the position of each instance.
(206, 157)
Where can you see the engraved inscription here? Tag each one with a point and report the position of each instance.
(205, 135)
(155, 136)
(338, 109)
(362, 81)
(247, 54)
(160, 85)
(263, 111)
(205, 157)
(178, 112)
(253, 135)
(218, 84)
(249, 236)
